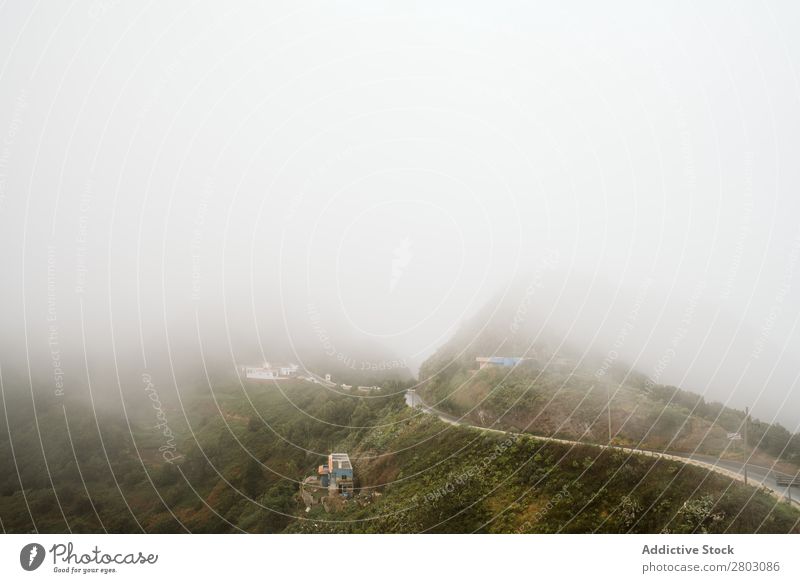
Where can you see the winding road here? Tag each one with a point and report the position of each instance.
(732, 469)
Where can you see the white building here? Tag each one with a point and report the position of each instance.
(270, 372)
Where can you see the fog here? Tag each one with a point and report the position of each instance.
(189, 183)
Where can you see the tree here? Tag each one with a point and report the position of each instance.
(252, 478)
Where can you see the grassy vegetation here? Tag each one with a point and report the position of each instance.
(244, 454)
(436, 477)
(570, 401)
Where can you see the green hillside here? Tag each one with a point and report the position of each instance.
(435, 477)
(243, 454)
(558, 391)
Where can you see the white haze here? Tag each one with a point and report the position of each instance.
(365, 176)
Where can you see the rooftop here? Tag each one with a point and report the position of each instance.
(340, 461)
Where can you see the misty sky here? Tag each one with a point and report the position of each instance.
(225, 177)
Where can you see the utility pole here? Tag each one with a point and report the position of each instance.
(608, 398)
(744, 443)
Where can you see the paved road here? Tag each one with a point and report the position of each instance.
(755, 474)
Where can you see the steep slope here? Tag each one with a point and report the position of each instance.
(559, 390)
(435, 477)
(244, 454)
